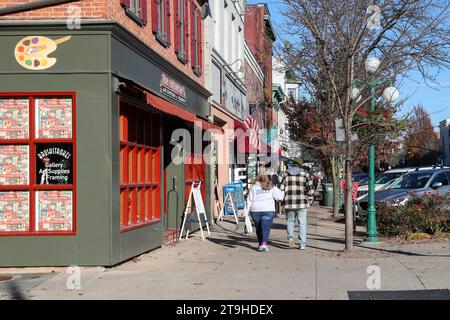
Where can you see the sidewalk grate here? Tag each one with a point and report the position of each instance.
(434, 294)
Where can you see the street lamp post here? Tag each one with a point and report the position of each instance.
(390, 94)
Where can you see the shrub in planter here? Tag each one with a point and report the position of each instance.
(421, 214)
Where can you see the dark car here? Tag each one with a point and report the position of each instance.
(357, 177)
(436, 181)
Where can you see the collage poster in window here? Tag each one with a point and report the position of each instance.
(54, 163)
(14, 211)
(54, 211)
(54, 118)
(14, 165)
(14, 118)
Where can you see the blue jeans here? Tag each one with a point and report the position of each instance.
(263, 222)
(301, 216)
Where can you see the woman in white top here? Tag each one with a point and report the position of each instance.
(261, 203)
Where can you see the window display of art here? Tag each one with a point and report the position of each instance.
(14, 165)
(14, 211)
(54, 211)
(54, 118)
(14, 118)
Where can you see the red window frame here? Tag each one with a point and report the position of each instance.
(181, 38)
(32, 141)
(139, 165)
(141, 17)
(161, 21)
(194, 172)
(196, 39)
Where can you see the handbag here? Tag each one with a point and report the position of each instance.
(248, 225)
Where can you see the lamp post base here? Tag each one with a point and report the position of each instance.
(372, 238)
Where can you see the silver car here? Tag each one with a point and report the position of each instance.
(435, 181)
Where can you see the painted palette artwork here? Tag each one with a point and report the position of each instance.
(54, 211)
(54, 118)
(14, 211)
(14, 118)
(14, 165)
(32, 52)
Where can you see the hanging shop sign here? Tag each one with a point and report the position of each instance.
(172, 89)
(54, 163)
(33, 52)
(233, 98)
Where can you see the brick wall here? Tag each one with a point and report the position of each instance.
(92, 9)
(109, 10)
(260, 43)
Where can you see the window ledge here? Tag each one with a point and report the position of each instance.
(134, 17)
(197, 71)
(161, 40)
(181, 58)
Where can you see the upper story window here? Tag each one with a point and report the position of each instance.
(181, 29)
(136, 10)
(161, 21)
(196, 40)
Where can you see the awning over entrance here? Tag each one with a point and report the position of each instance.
(170, 108)
(178, 112)
(243, 144)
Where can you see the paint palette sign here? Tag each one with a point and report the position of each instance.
(54, 211)
(54, 163)
(32, 52)
(14, 166)
(14, 118)
(14, 211)
(54, 118)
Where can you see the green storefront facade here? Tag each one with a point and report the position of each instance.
(109, 78)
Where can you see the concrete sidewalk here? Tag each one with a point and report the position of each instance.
(227, 266)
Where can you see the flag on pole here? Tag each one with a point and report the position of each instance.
(251, 123)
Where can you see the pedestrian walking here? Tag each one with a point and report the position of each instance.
(261, 203)
(298, 188)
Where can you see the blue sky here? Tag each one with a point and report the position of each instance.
(436, 102)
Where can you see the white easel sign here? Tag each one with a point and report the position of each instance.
(195, 203)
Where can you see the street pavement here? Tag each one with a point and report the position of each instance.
(227, 266)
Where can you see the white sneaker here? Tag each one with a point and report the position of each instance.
(302, 247)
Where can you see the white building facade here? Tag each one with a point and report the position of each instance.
(224, 77)
(291, 90)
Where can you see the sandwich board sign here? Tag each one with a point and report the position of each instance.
(239, 196)
(195, 203)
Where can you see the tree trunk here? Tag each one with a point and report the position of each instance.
(348, 196)
(335, 186)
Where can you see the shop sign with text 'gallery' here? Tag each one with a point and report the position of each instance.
(54, 163)
(173, 89)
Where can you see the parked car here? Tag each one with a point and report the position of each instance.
(357, 177)
(381, 179)
(419, 181)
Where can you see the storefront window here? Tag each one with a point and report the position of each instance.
(195, 172)
(140, 169)
(37, 152)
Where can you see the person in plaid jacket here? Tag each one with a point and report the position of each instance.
(298, 188)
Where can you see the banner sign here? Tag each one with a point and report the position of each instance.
(172, 89)
(54, 163)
